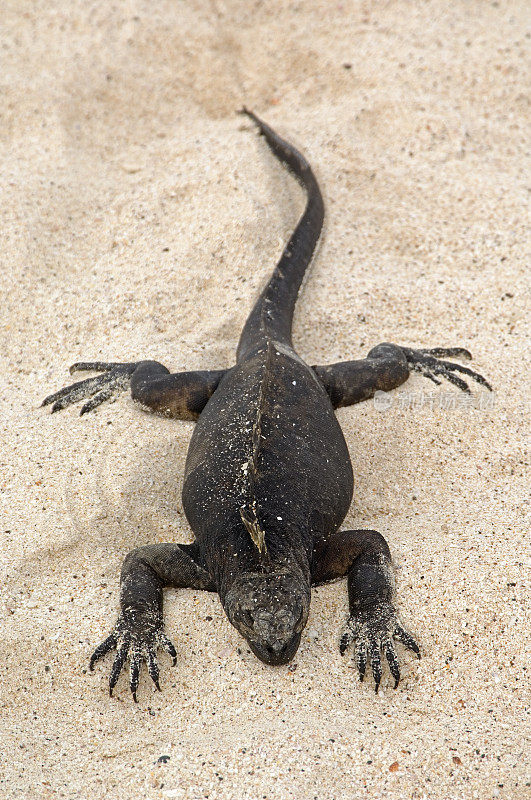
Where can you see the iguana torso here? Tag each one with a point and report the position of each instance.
(267, 449)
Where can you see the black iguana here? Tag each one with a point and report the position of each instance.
(268, 479)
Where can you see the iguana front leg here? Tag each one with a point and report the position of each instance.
(373, 623)
(139, 630)
(388, 366)
(181, 395)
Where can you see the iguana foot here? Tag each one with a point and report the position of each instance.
(116, 378)
(372, 630)
(182, 395)
(428, 363)
(137, 636)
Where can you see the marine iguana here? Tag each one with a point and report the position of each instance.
(268, 478)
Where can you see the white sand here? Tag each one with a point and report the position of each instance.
(139, 218)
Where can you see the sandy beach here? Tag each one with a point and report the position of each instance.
(140, 218)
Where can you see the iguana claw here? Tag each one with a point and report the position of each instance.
(136, 636)
(429, 364)
(115, 378)
(372, 630)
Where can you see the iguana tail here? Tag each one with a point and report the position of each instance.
(272, 314)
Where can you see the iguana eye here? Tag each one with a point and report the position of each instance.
(246, 618)
(249, 619)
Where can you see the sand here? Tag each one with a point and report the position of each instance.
(140, 217)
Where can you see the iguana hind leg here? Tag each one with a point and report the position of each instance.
(373, 624)
(181, 395)
(388, 366)
(139, 630)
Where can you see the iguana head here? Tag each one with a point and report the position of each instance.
(270, 611)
